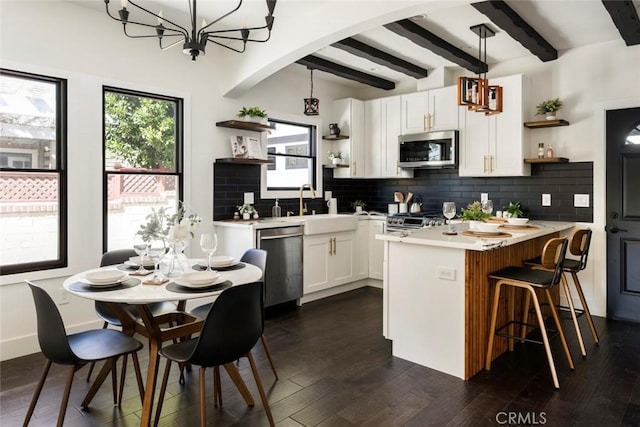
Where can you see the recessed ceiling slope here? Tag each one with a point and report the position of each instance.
(506, 18)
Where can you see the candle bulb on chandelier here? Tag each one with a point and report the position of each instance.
(160, 17)
(124, 3)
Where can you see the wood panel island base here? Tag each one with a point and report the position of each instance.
(437, 296)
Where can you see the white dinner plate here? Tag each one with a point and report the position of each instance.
(134, 261)
(102, 285)
(220, 261)
(105, 276)
(220, 279)
(200, 277)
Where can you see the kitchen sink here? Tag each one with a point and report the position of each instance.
(324, 223)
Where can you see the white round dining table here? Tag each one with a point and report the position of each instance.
(181, 324)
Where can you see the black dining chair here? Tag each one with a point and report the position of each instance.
(230, 330)
(76, 350)
(114, 257)
(257, 257)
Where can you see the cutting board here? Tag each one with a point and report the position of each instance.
(486, 235)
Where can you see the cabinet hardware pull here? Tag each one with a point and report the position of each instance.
(355, 168)
(491, 164)
(331, 246)
(425, 122)
(484, 164)
(334, 245)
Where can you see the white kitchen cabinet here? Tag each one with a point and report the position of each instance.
(361, 259)
(432, 110)
(382, 128)
(376, 249)
(497, 145)
(348, 113)
(329, 260)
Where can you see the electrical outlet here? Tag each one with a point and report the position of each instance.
(546, 200)
(580, 200)
(484, 197)
(327, 195)
(447, 273)
(64, 296)
(248, 198)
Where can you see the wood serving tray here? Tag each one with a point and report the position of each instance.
(489, 235)
(496, 219)
(518, 227)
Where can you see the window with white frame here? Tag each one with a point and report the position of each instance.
(143, 162)
(33, 182)
(292, 148)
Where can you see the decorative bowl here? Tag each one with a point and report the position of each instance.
(487, 226)
(221, 261)
(105, 276)
(517, 221)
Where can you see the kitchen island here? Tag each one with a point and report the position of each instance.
(437, 296)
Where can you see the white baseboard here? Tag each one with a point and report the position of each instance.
(340, 289)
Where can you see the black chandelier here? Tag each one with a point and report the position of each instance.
(194, 41)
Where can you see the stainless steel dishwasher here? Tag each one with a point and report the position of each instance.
(283, 277)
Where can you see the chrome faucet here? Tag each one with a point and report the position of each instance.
(313, 196)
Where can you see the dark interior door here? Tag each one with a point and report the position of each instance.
(623, 214)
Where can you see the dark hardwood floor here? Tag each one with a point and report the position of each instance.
(336, 369)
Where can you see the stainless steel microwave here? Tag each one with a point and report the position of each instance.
(428, 150)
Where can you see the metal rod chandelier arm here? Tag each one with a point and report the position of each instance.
(202, 30)
(180, 30)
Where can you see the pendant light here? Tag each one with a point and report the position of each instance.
(476, 92)
(311, 104)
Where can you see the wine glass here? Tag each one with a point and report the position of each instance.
(208, 244)
(156, 251)
(487, 206)
(449, 211)
(141, 246)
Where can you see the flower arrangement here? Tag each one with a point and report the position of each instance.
(548, 106)
(513, 209)
(358, 203)
(474, 212)
(252, 112)
(247, 208)
(171, 228)
(331, 155)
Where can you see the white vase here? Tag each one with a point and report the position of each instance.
(175, 262)
(246, 215)
(473, 225)
(336, 161)
(550, 115)
(358, 209)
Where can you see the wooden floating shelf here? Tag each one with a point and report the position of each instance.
(335, 166)
(546, 124)
(547, 160)
(245, 125)
(244, 161)
(335, 138)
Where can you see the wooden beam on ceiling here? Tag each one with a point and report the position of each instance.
(363, 50)
(625, 17)
(443, 48)
(506, 18)
(322, 64)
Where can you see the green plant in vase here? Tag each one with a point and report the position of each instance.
(548, 108)
(254, 114)
(513, 210)
(474, 212)
(358, 205)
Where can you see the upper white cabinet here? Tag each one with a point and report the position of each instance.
(382, 128)
(432, 110)
(497, 145)
(348, 113)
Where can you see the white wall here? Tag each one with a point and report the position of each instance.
(589, 80)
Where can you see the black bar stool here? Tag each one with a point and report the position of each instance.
(579, 246)
(529, 279)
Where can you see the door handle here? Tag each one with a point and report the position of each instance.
(614, 229)
(334, 245)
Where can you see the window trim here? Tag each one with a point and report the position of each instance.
(61, 169)
(179, 152)
(265, 193)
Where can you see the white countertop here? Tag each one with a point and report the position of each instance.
(433, 236)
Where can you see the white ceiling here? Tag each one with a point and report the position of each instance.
(565, 24)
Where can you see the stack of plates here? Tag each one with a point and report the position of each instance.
(135, 261)
(220, 261)
(199, 279)
(104, 278)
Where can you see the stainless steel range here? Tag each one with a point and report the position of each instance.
(413, 221)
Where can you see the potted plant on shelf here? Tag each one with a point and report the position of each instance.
(253, 114)
(247, 211)
(336, 158)
(358, 205)
(474, 214)
(512, 210)
(548, 108)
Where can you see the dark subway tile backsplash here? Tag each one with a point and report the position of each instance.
(432, 187)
